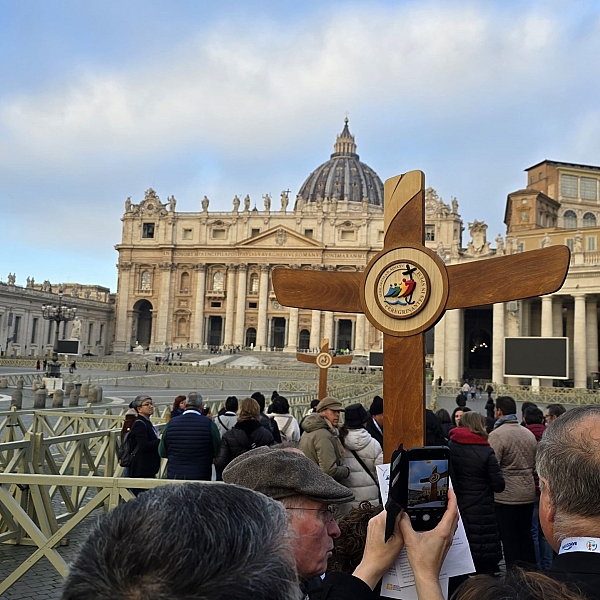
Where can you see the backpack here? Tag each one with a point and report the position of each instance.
(126, 453)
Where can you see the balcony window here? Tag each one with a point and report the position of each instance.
(570, 220)
(568, 186)
(148, 230)
(589, 219)
(588, 188)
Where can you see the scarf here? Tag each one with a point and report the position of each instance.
(336, 434)
(462, 435)
(505, 419)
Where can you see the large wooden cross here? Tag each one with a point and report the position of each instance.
(406, 288)
(323, 360)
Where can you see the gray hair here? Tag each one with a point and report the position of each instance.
(194, 540)
(194, 400)
(139, 400)
(568, 457)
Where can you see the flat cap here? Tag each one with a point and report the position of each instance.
(329, 402)
(280, 473)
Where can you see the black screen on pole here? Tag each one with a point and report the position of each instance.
(68, 346)
(376, 359)
(536, 357)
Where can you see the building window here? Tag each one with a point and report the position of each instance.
(569, 219)
(591, 243)
(148, 230)
(569, 243)
(182, 327)
(568, 186)
(187, 234)
(217, 282)
(540, 176)
(430, 233)
(380, 236)
(34, 328)
(254, 283)
(308, 233)
(255, 232)
(145, 281)
(347, 235)
(588, 188)
(252, 304)
(215, 305)
(589, 219)
(184, 284)
(219, 234)
(90, 332)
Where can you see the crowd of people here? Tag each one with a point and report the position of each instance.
(300, 506)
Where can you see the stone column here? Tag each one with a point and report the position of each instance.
(439, 350)
(123, 329)
(198, 336)
(557, 316)
(453, 345)
(315, 329)
(498, 343)
(547, 328)
(580, 343)
(292, 331)
(164, 306)
(359, 337)
(229, 305)
(240, 309)
(591, 321)
(328, 328)
(263, 306)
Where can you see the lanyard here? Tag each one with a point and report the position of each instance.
(580, 544)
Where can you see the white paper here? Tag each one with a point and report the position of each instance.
(400, 577)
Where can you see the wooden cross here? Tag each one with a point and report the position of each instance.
(433, 481)
(323, 360)
(406, 288)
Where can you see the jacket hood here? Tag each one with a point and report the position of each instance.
(357, 439)
(537, 429)
(313, 422)
(462, 435)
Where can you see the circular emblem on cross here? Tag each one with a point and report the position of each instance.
(402, 289)
(324, 360)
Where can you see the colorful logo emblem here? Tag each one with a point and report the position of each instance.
(591, 545)
(402, 289)
(324, 360)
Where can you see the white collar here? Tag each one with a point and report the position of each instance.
(580, 544)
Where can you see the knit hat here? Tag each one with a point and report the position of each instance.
(329, 402)
(376, 406)
(280, 473)
(355, 416)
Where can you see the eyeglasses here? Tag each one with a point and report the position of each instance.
(148, 404)
(327, 514)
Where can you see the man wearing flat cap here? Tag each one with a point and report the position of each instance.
(310, 498)
(320, 441)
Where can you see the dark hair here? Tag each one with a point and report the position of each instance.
(507, 405)
(462, 408)
(526, 405)
(314, 404)
(178, 400)
(274, 395)
(280, 406)
(227, 542)
(444, 416)
(533, 415)
(348, 548)
(260, 398)
(231, 404)
(461, 400)
(555, 410)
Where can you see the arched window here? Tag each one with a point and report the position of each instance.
(218, 282)
(254, 283)
(182, 329)
(250, 337)
(589, 219)
(145, 281)
(570, 220)
(184, 284)
(304, 341)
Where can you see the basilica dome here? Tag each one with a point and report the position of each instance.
(343, 176)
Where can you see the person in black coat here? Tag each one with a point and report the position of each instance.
(375, 424)
(444, 416)
(245, 435)
(476, 476)
(145, 440)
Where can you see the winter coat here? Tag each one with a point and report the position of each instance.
(538, 430)
(515, 449)
(476, 476)
(146, 461)
(321, 444)
(374, 430)
(361, 484)
(225, 422)
(288, 427)
(271, 424)
(243, 436)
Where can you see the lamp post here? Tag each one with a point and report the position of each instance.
(59, 313)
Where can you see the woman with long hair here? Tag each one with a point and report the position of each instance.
(476, 476)
(178, 406)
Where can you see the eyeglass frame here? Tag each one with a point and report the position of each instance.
(331, 510)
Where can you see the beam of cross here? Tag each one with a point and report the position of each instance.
(433, 480)
(324, 361)
(405, 290)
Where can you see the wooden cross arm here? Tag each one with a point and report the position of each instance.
(319, 290)
(505, 278)
(343, 359)
(306, 358)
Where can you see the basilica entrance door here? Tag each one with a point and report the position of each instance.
(215, 330)
(278, 332)
(304, 341)
(144, 323)
(344, 337)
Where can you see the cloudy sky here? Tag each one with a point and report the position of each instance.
(100, 101)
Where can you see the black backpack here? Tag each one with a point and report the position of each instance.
(126, 452)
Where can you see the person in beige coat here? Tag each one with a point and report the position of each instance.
(515, 449)
(320, 441)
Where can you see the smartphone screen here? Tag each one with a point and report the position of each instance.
(427, 492)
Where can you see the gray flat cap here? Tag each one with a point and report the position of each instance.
(282, 473)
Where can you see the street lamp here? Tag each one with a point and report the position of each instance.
(59, 313)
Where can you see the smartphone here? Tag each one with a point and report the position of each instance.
(425, 485)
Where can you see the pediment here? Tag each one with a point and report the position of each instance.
(280, 237)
